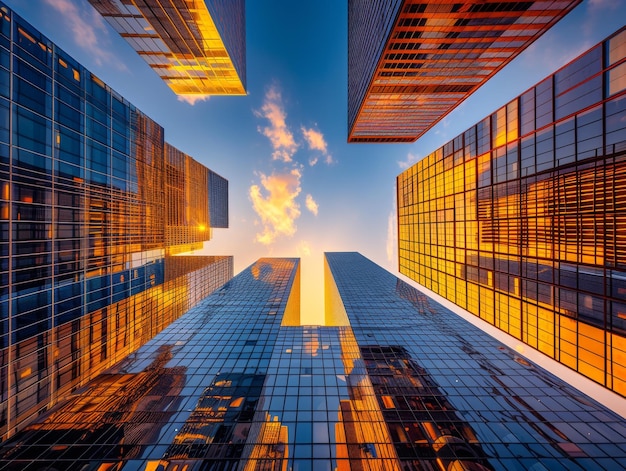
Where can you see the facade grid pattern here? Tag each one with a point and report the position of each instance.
(452, 396)
(186, 398)
(197, 48)
(218, 200)
(429, 57)
(85, 274)
(520, 219)
(407, 385)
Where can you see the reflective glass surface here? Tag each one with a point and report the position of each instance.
(187, 397)
(520, 220)
(93, 204)
(197, 48)
(407, 385)
(412, 62)
(452, 397)
(218, 200)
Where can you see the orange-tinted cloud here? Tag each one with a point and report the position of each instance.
(303, 249)
(88, 29)
(275, 203)
(315, 140)
(311, 204)
(277, 132)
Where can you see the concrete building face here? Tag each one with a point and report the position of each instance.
(520, 219)
(197, 47)
(411, 62)
(87, 226)
(403, 383)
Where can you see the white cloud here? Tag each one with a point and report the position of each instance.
(315, 140)
(275, 203)
(311, 205)
(391, 245)
(88, 29)
(277, 132)
(303, 249)
(409, 161)
(391, 236)
(193, 99)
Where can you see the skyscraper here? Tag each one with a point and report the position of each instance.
(90, 220)
(411, 62)
(520, 219)
(197, 47)
(189, 396)
(403, 383)
(218, 200)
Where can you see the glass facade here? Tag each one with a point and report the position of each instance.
(521, 219)
(197, 47)
(187, 398)
(411, 62)
(86, 229)
(218, 200)
(403, 384)
(187, 188)
(452, 397)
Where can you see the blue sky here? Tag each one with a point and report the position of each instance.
(296, 187)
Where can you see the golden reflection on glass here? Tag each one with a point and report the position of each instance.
(525, 230)
(184, 48)
(361, 426)
(270, 451)
(219, 425)
(113, 412)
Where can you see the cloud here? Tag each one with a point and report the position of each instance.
(277, 132)
(193, 99)
(275, 203)
(315, 140)
(303, 249)
(88, 29)
(391, 245)
(409, 161)
(311, 205)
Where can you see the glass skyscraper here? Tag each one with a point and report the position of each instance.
(218, 200)
(521, 219)
(197, 47)
(94, 204)
(398, 382)
(410, 62)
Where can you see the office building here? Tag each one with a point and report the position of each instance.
(521, 219)
(402, 383)
(411, 62)
(187, 397)
(218, 200)
(90, 221)
(198, 48)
